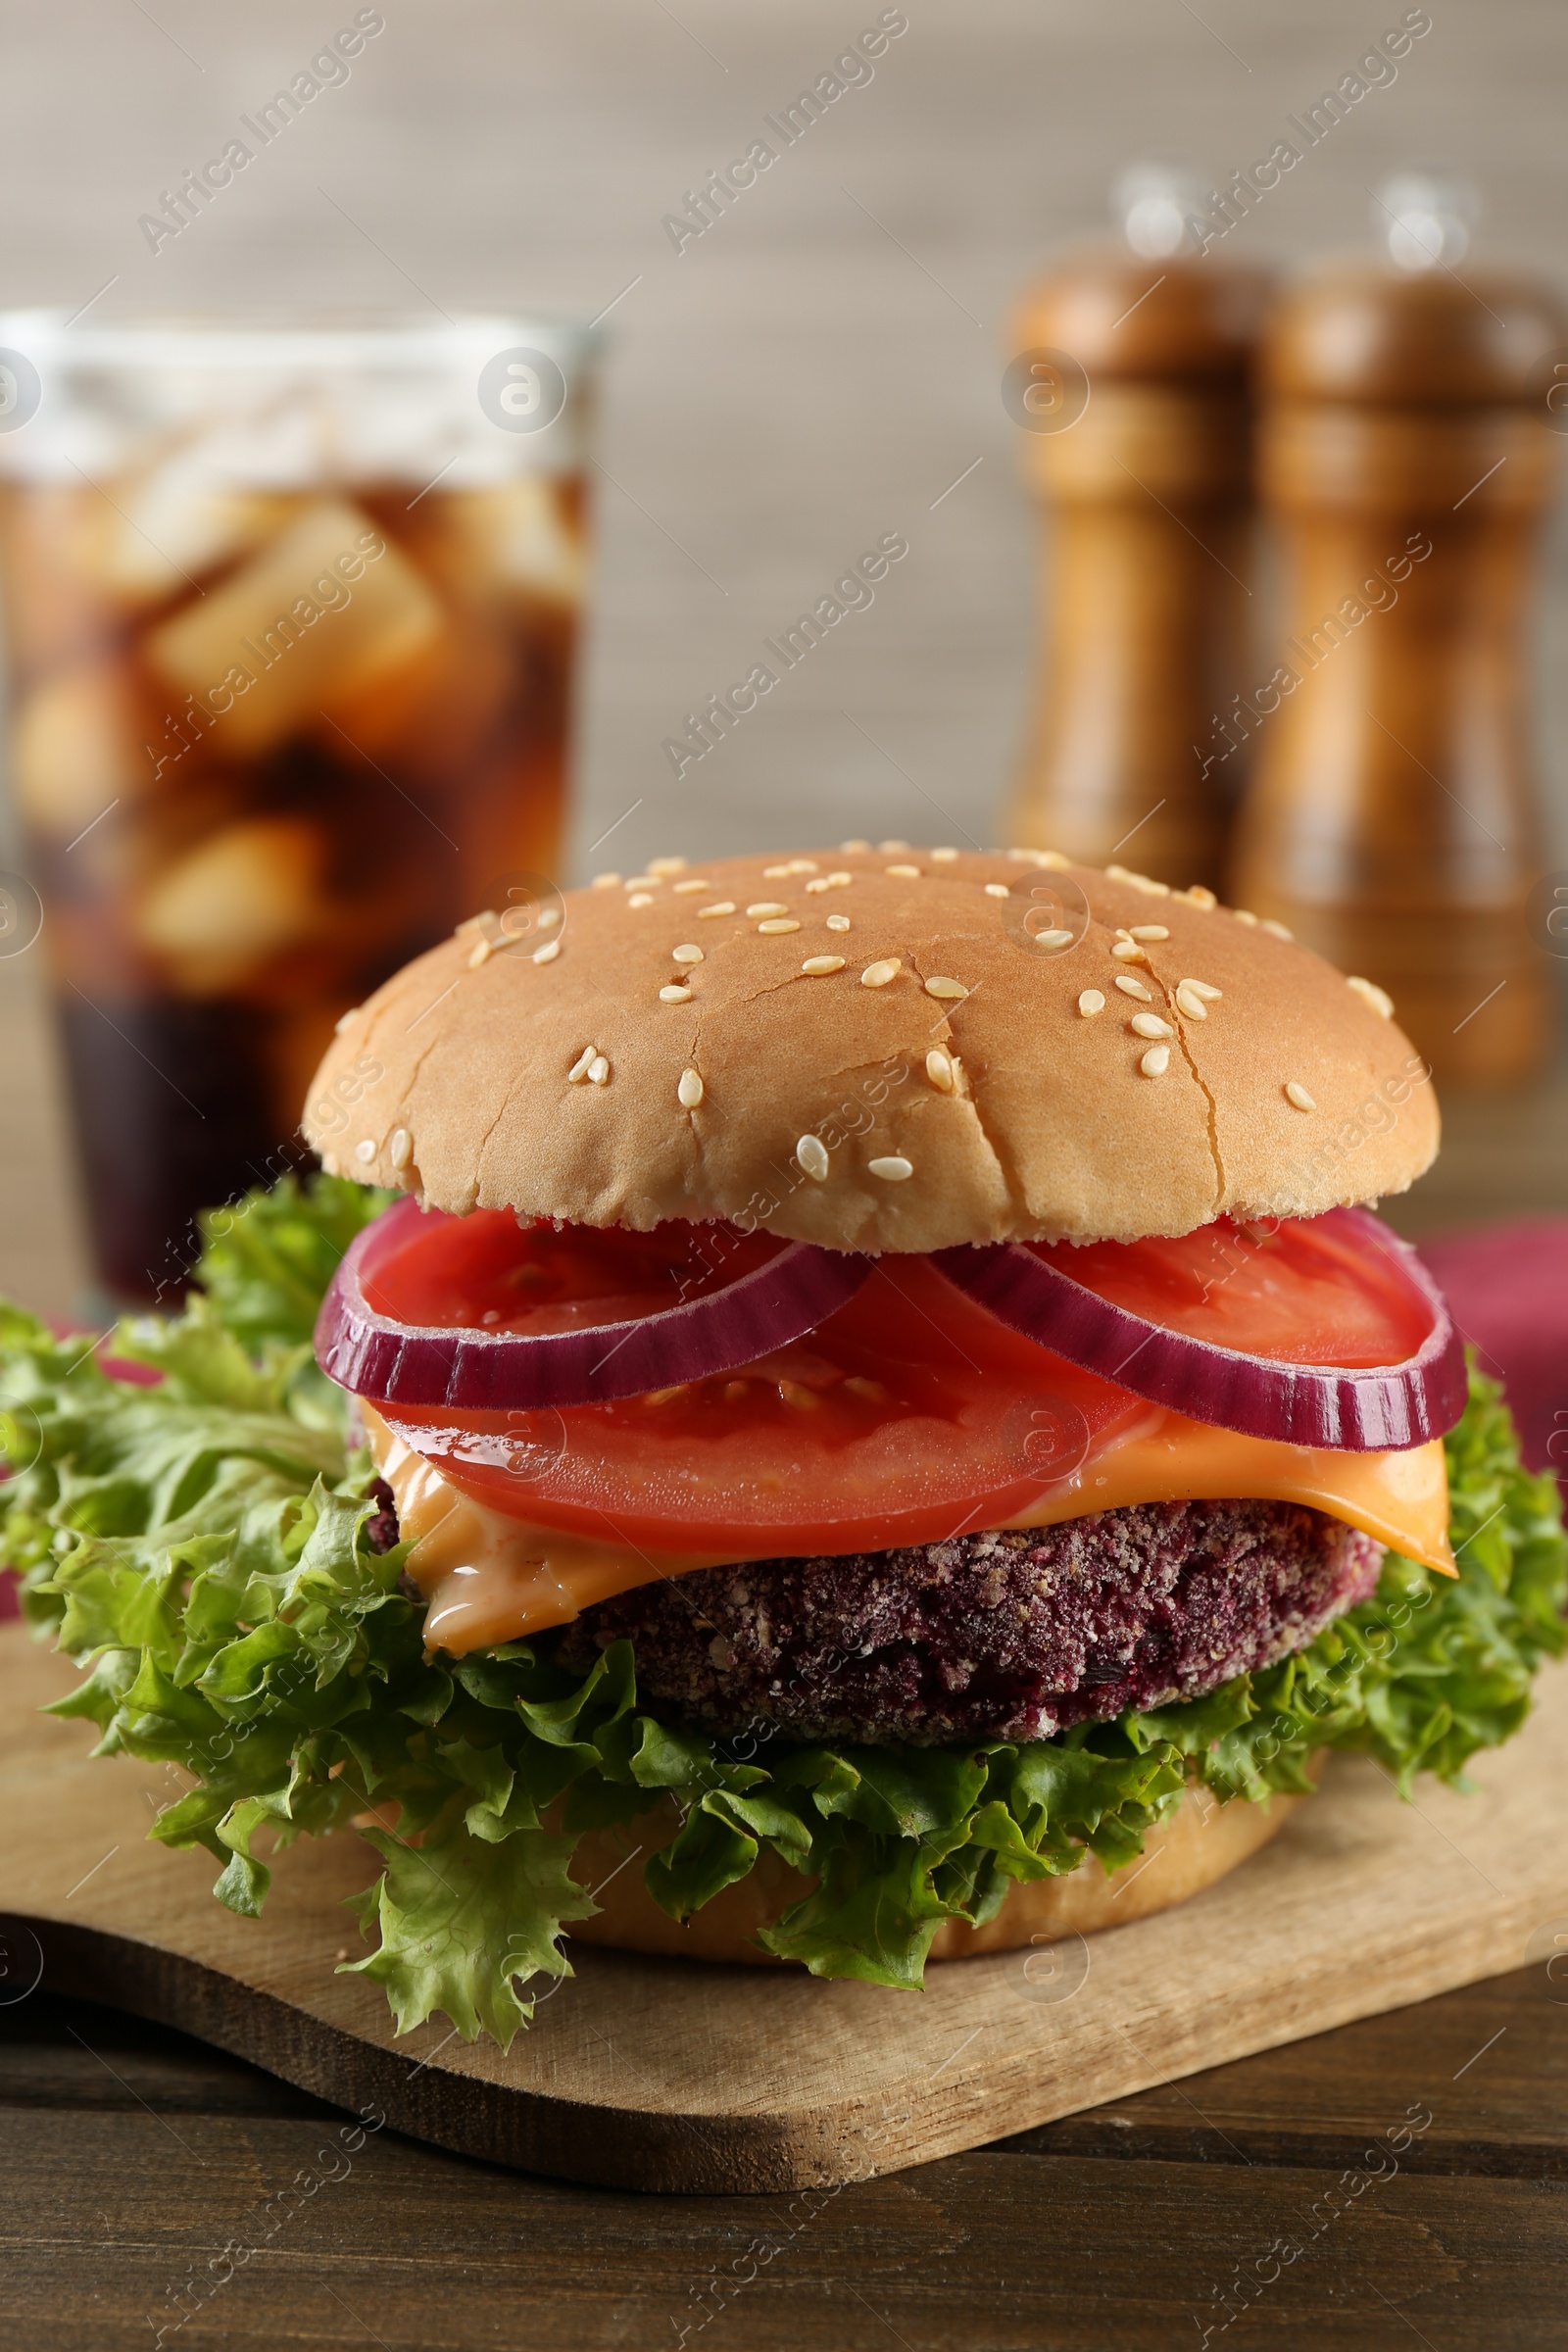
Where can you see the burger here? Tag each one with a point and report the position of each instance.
(845, 1410)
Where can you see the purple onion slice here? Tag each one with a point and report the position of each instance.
(1368, 1410)
(471, 1369)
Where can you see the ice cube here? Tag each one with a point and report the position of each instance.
(521, 533)
(72, 754)
(436, 716)
(331, 606)
(233, 902)
(157, 535)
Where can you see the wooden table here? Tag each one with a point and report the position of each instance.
(133, 2157)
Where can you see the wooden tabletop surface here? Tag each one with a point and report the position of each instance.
(1263, 2201)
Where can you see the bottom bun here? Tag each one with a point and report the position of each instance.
(1200, 1842)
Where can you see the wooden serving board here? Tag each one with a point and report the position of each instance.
(677, 2075)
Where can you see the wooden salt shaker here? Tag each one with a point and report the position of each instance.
(1390, 820)
(1138, 443)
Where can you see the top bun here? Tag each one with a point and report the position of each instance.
(948, 1079)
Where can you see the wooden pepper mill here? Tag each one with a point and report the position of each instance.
(1138, 442)
(1390, 820)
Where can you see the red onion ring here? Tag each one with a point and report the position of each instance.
(390, 1362)
(1378, 1408)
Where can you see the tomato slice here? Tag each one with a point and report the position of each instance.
(1300, 1291)
(486, 1272)
(908, 1416)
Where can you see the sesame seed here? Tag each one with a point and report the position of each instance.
(893, 1169)
(1279, 930)
(641, 897)
(997, 890)
(878, 975)
(402, 1150)
(689, 1091)
(692, 884)
(674, 994)
(1091, 1003)
(1134, 988)
(905, 873)
(1052, 940)
(607, 882)
(719, 906)
(811, 1152)
(939, 985)
(1155, 1062)
(816, 965)
(777, 923)
(365, 1152)
(774, 873)
(1368, 991)
(799, 866)
(643, 882)
(814, 890)
(1149, 931)
(1143, 882)
(1189, 1002)
(767, 907)
(1244, 915)
(939, 1069)
(1298, 1097)
(1197, 894)
(838, 922)
(548, 953)
(599, 1071)
(1127, 951)
(943, 857)
(354, 1010)
(687, 952)
(666, 865)
(839, 879)
(851, 848)
(891, 849)
(582, 1065)
(1202, 988)
(474, 922)
(549, 917)
(480, 952)
(1149, 1024)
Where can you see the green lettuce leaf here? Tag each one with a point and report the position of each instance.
(266, 1261)
(201, 1548)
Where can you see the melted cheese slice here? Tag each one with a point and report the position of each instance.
(491, 1578)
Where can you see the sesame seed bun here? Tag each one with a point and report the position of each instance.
(917, 1049)
(1200, 1842)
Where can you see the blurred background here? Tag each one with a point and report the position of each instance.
(826, 358)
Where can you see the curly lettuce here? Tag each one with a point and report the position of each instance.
(202, 1548)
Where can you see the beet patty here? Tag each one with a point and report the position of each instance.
(1004, 1635)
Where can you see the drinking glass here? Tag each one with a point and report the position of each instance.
(292, 610)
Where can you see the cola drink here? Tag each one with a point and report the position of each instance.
(291, 624)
